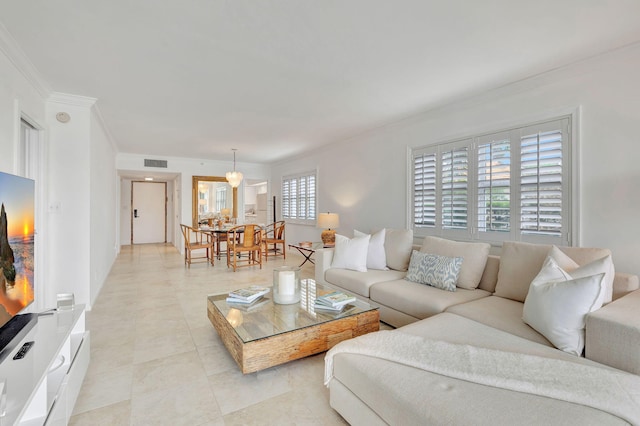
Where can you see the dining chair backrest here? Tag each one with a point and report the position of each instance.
(278, 230)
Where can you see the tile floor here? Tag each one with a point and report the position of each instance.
(156, 359)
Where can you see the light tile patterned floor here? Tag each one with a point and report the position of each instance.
(156, 359)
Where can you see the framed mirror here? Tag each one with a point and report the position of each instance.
(212, 197)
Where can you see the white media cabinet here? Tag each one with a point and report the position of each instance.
(42, 387)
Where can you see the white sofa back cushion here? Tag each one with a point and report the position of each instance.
(398, 245)
(474, 258)
(558, 302)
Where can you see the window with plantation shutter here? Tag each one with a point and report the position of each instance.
(424, 192)
(299, 197)
(455, 167)
(494, 184)
(541, 180)
(509, 185)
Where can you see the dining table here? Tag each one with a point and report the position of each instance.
(219, 234)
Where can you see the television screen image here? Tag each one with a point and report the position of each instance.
(17, 196)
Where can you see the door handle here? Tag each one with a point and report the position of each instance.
(135, 212)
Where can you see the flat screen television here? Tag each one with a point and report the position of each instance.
(17, 202)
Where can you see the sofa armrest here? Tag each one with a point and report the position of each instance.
(613, 334)
(623, 284)
(323, 259)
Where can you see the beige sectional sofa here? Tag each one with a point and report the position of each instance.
(367, 388)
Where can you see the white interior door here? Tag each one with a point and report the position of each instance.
(148, 211)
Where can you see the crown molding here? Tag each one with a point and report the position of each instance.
(21, 62)
(73, 100)
(105, 128)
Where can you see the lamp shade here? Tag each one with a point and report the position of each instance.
(234, 178)
(328, 220)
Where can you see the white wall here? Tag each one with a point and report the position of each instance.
(187, 168)
(76, 236)
(69, 212)
(364, 179)
(22, 96)
(103, 206)
(82, 199)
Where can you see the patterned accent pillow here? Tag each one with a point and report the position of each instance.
(437, 271)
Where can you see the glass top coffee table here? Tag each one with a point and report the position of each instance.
(266, 334)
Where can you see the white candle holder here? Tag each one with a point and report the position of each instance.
(286, 285)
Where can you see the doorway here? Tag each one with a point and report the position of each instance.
(148, 212)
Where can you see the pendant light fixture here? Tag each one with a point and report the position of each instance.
(234, 178)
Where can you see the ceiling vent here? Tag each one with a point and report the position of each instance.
(155, 163)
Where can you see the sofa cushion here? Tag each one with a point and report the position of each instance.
(519, 265)
(499, 313)
(398, 244)
(557, 304)
(376, 256)
(490, 274)
(437, 271)
(397, 393)
(418, 300)
(474, 257)
(360, 282)
(351, 253)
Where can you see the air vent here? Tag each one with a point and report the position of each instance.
(155, 163)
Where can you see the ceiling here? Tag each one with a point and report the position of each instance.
(196, 78)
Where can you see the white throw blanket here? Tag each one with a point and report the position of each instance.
(608, 390)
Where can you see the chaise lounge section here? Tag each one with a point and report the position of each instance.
(385, 388)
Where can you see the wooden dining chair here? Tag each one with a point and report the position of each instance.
(244, 240)
(274, 234)
(194, 239)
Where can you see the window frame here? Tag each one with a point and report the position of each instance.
(311, 206)
(569, 199)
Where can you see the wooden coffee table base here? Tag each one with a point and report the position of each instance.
(275, 350)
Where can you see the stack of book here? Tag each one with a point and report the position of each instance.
(248, 295)
(333, 302)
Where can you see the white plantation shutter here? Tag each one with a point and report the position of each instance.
(541, 179)
(424, 189)
(509, 185)
(286, 198)
(455, 167)
(307, 197)
(299, 197)
(494, 184)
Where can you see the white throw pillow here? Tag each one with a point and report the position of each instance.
(376, 257)
(558, 303)
(601, 265)
(351, 253)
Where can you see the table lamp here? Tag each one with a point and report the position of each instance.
(328, 221)
(225, 213)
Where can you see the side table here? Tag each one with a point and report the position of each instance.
(307, 251)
